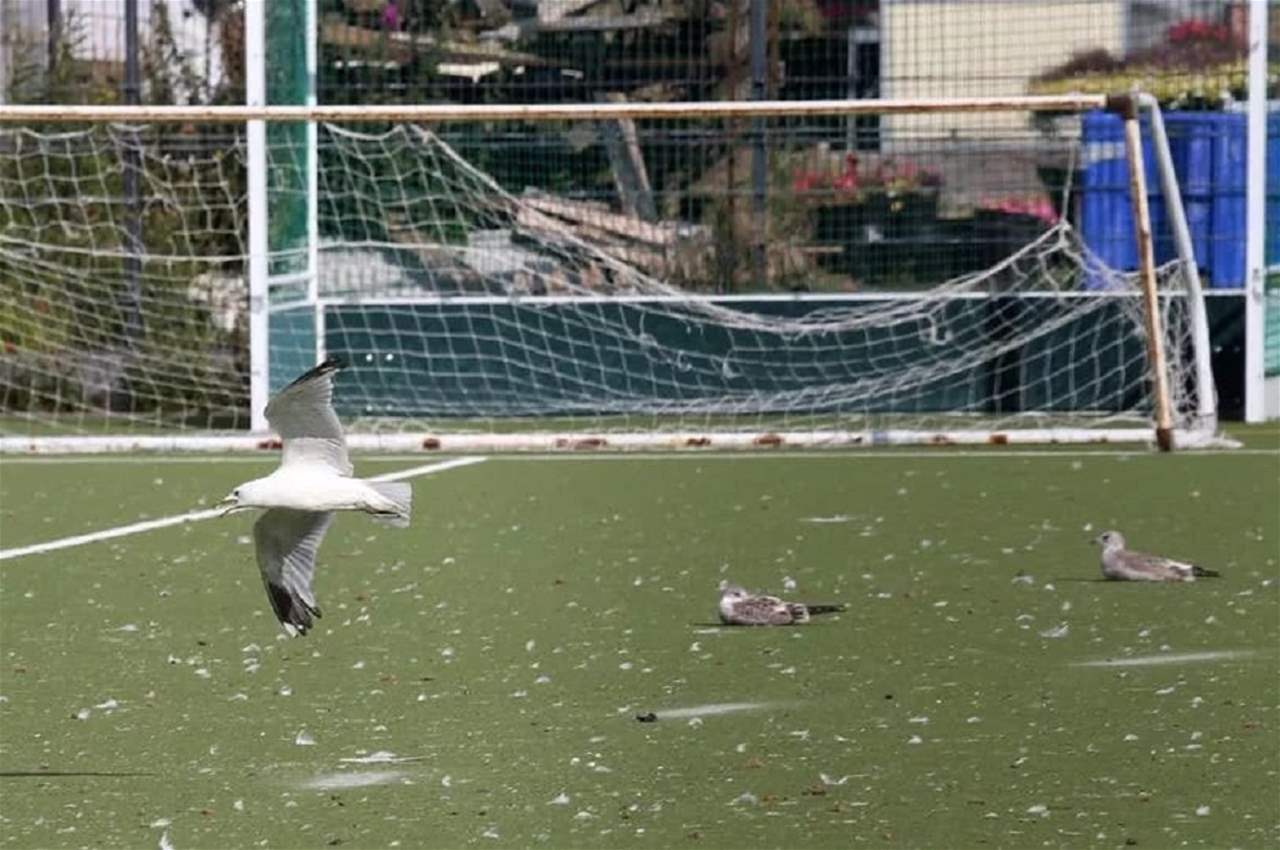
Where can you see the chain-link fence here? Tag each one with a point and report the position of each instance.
(898, 201)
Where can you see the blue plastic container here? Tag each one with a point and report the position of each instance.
(1209, 151)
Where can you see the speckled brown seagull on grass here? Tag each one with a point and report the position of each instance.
(1121, 564)
(739, 607)
(313, 481)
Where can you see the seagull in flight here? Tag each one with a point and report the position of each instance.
(1121, 564)
(313, 481)
(740, 607)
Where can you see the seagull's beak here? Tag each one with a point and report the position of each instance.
(228, 505)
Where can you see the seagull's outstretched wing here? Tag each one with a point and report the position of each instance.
(302, 414)
(286, 541)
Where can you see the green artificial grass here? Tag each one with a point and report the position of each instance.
(507, 641)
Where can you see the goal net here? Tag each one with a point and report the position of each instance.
(738, 282)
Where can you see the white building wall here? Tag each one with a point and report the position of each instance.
(983, 48)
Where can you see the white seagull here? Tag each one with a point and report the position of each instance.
(313, 481)
(1121, 564)
(739, 607)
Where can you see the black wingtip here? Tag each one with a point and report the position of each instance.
(290, 610)
(324, 367)
(1204, 572)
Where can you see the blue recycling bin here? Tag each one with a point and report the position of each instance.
(1209, 156)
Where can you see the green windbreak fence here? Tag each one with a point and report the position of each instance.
(474, 360)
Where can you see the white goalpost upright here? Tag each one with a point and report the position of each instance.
(258, 267)
(485, 319)
(1255, 286)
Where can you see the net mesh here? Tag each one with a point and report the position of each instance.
(462, 305)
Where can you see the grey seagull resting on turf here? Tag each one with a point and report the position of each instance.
(1121, 564)
(313, 481)
(739, 607)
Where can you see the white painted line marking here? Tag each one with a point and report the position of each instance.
(207, 513)
(108, 534)
(426, 468)
(353, 779)
(712, 709)
(1172, 658)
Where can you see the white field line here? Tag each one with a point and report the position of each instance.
(428, 468)
(353, 779)
(1171, 658)
(206, 513)
(713, 709)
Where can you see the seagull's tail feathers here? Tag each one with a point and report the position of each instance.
(826, 607)
(399, 496)
(1204, 572)
(799, 612)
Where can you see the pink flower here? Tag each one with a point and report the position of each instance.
(391, 16)
(847, 180)
(1035, 207)
(1196, 30)
(805, 181)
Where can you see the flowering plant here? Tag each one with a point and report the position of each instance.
(1035, 207)
(856, 181)
(1200, 65)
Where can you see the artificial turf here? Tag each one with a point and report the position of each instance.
(507, 641)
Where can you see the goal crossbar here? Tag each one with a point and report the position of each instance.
(438, 113)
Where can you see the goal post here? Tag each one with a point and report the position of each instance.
(1127, 107)
(478, 311)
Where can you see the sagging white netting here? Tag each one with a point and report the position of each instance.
(461, 306)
